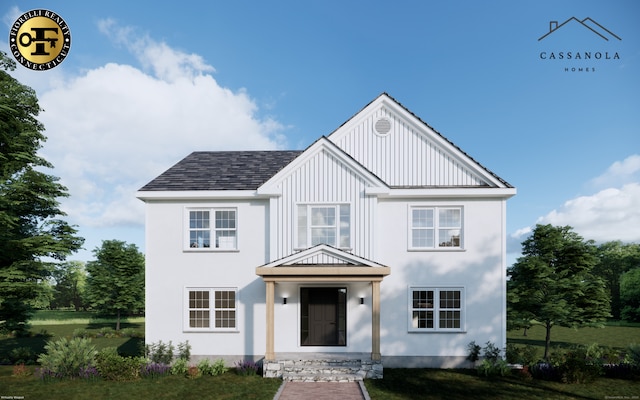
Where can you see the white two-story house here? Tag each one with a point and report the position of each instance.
(382, 240)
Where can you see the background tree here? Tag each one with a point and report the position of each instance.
(115, 281)
(552, 283)
(32, 237)
(630, 295)
(614, 259)
(70, 280)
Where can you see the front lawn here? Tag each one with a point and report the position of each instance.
(464, 384)
(225, 386)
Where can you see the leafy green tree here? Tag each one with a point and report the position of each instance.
(614, 259)
(70, 280)
(115, 281)
(32, 235)
(630, 295)
(552, 283)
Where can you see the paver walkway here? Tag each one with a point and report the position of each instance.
(322, 391)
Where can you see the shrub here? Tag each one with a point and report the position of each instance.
(131, 332)
(217, 368)
(82, 333)
(579, 364)
(159, 353)
(193, 372)
(20, 370)
(526, 355)
(247, 368)
(22, 355)
(473, 352)
(155, 370)
(106, 332)
(180, 367)
(490, 352)
(491, 368)
(632, 354)
(184, 351)
(578, 367)
(114, 367)
(68, 358)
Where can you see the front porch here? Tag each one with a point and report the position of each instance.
(319, 273)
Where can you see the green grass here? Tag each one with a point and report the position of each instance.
(404, 384)
(226, 386)
(63, 317)
(615, 336)
(49, 325)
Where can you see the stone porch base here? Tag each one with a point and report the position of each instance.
(323, 368)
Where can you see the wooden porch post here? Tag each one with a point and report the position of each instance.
(270, 355)
(375, 321)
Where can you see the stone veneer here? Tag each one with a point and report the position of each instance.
(318, 370)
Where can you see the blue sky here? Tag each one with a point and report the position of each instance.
(145, 84)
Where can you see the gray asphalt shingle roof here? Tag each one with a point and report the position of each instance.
(222, 170)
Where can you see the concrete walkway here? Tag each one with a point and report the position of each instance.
(322, 391)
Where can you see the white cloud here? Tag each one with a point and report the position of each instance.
(620, 173)
(611, 214)
(116, 127)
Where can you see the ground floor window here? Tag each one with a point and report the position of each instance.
(436, 309)
(323, 316)
(211, 309)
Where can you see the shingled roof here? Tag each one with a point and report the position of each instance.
(222, 170)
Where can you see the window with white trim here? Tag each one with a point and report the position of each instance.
(436, 309)
(213, 228)
(435, 227)
(211, 309)
(324, 224)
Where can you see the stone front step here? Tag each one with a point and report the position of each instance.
(327, 370)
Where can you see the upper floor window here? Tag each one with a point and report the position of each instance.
(435, 227)
(324, 224)
(436, 309)
(213, 228)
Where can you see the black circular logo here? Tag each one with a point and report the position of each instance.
(40, 39)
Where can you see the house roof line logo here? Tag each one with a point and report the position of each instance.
(588, 23)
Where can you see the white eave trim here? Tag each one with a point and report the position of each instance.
(502, 193)
(149, 195)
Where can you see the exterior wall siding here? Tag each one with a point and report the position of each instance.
(170, 269)
(478, 268)
(403, 157)
(323, 179)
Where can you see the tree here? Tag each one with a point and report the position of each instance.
(115, 281)
(614, 259)
(630, 295)
(32, 235)
(70, 280)
(552, 283)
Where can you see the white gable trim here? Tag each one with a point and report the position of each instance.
(272, 186)
(326, 251)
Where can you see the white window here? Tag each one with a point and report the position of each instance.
(211, 309)
(436, 309)
(214, 228)
(324, 224)
(435, 227)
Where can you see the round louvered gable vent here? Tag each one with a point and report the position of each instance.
(382, 126)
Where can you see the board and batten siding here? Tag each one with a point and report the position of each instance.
(405, 156)
(322, 179)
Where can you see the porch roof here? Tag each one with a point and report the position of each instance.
(323, 263)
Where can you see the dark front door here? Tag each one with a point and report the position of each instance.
(323, 316)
